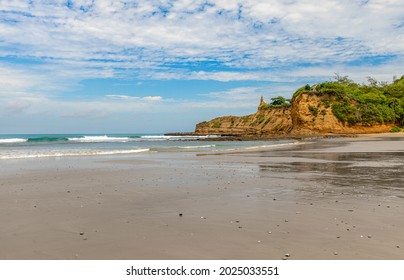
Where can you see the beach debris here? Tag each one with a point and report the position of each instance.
(237, 221)
(81, 233)
(369, 236)
(68, 191)
(286, 221)
(287, 255)
(336, 253)
(274, 199)
(298, 212)
(269, 232)
(259, 241)
(203, 217)
(398, 247)
(284, 258)
(350, 210)
(180, 214)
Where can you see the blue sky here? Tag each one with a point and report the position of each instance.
(111, 66)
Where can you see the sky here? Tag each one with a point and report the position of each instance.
(112, 66)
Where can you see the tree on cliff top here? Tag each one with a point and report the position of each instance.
(276, 102)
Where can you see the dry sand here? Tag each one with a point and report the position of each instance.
(328, 199)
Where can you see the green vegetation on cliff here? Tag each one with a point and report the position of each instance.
(276, 102)
(365, 104)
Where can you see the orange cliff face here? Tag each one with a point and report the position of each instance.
(273, 121)
(313, 115)
(308, 114)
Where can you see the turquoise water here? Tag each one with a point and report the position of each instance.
(20, 146)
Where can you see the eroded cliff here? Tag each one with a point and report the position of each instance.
(307, 114)
(277, 120)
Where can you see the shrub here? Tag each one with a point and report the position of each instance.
(313, 110)
(216, 124)
(246, 119)
(260, 118)
(395, 129)
(267, 121)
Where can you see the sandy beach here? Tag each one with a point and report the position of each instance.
(320, 199)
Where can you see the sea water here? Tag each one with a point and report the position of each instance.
(20, 146)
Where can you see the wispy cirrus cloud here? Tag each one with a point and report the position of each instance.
(134, 98)
(241, 34)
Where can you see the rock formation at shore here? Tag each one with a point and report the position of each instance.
(320, 109)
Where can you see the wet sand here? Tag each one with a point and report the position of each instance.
(325, 199)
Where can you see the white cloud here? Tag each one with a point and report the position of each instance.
(152, 98)
(121, 97)
(151, 34)
(135, 98)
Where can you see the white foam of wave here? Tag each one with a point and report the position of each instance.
(256, 148)
(198, 147)
(12, 140)
(96, 139)
(272, 146)
(64, 154)
(176, 137)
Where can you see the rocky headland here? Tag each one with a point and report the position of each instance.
(330, 108)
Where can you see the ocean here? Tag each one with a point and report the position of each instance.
(23, 146)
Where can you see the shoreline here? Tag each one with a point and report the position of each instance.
(338, 198)
(235, 137)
